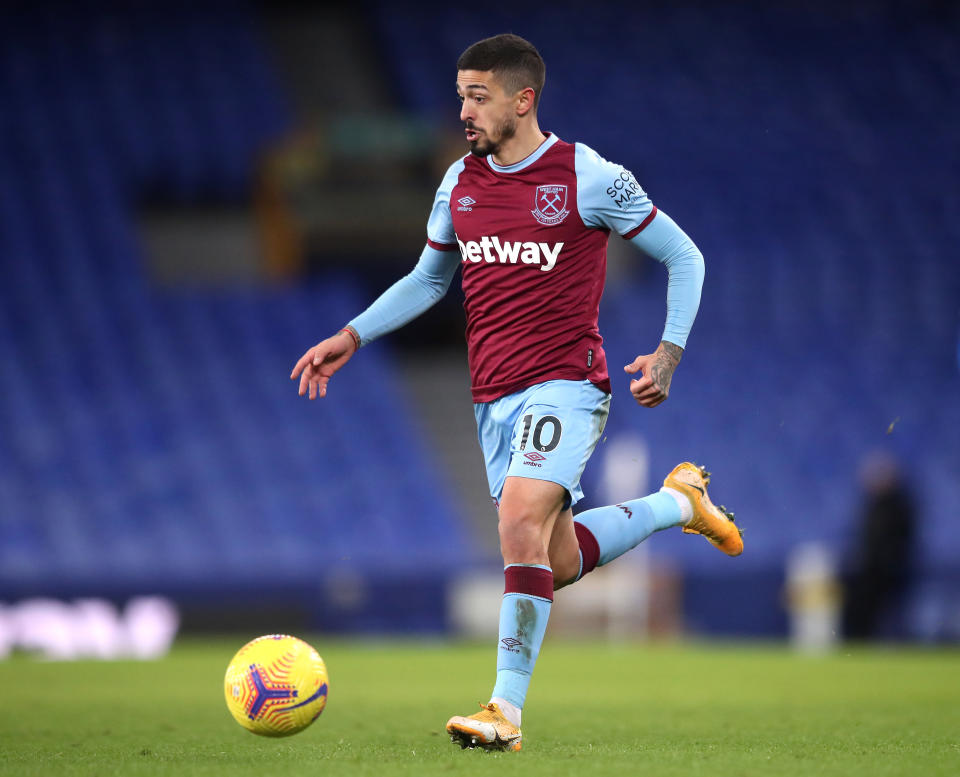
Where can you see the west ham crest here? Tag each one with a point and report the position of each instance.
(550, 204)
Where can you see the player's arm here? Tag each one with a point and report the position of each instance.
(398, 305)
(401, 303)
(664, 241)
(609, 196)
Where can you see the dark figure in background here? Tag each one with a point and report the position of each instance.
(881, 563)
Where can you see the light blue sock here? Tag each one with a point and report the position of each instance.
(619, 528)
(524, 612)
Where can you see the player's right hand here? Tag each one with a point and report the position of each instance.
(317, 365)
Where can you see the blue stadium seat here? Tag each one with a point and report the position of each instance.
(151, 437)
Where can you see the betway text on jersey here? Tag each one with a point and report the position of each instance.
(491, 250)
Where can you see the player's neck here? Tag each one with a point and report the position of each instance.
(520, 146)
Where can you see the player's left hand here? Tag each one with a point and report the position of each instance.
(656, 372)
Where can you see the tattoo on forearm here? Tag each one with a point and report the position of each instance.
(674, 350)
(666, 361)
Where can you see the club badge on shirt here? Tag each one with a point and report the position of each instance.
(550, 204)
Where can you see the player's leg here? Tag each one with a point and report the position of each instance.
(554, 428)
(605, 533)
(595, 537)
(528, 510)
(496, 429)
(559, 424)
(564, 551)
(560, 427)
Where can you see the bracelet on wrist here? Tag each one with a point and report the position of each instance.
(353, 334)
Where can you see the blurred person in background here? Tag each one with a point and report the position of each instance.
(528, 217)
(880, 566)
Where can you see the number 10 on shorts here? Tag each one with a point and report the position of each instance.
(548, 424)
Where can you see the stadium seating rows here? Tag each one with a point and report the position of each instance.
(145, 435)
(150, 437)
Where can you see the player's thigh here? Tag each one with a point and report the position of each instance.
(556, 431)
(533, 501)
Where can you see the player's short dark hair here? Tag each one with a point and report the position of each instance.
(515, 61)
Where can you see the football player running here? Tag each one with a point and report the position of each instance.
(528, 216)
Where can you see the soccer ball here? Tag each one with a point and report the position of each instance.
(276, 685)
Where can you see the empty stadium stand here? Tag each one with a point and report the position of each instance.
(149, 438)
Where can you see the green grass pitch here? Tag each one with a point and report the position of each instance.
(593, 709)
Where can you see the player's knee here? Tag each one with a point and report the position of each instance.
(514, 525)
(521, 535)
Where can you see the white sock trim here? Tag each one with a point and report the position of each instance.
(686, 506)
(510, 711)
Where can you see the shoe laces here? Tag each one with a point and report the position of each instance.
(488, 711)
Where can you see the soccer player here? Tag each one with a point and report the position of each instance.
(527, 216)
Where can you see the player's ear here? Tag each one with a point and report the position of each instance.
(525, 101)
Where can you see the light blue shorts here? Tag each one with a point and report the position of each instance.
(546, 432)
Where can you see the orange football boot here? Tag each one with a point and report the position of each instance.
(714, 523)
(488, 729)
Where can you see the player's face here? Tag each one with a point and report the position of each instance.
(488, 113)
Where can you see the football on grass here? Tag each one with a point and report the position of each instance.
(276, 685)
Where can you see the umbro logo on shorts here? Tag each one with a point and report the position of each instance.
(533, 459)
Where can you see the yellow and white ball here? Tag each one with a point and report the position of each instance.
(276, 685)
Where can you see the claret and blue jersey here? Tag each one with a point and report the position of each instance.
(531, 238)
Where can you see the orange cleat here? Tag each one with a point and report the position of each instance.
(714, 523)
(488, 729)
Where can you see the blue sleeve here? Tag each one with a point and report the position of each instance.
(410, 296)
(440, 232)
(608, 196)
(663, 240)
